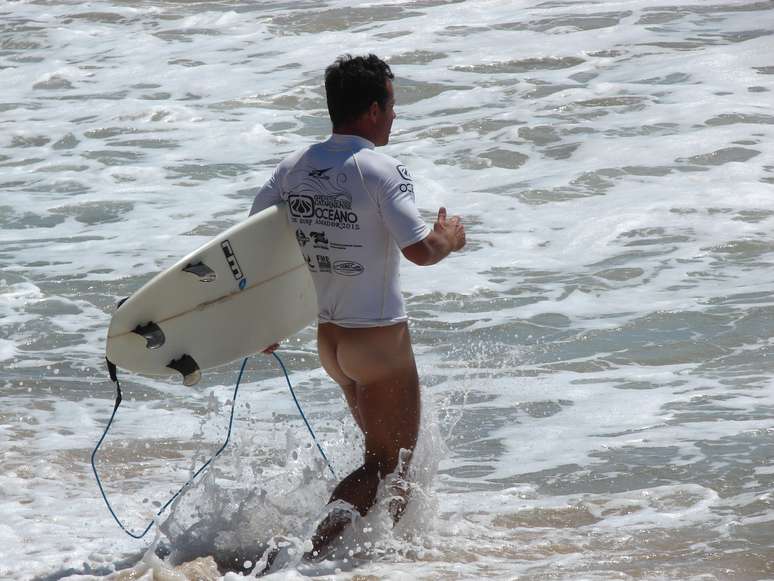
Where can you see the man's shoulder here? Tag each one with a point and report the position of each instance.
(384, 166)
(293, 158)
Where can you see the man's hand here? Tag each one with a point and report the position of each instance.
(448, 236)
(451, 229)
(271, 349)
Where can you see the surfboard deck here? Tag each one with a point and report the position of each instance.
(242, 291)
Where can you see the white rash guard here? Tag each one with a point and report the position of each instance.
(353, 210)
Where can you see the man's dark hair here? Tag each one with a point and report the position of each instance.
(352, 84)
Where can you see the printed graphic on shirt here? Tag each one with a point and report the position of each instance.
(301, 237)
(320, 173)
(324, 263)
(339, 246)
(309, 263)
(407, 187)
(320, 240)
(319, 199)
(404, 172)
(301, 206)
(348, 268)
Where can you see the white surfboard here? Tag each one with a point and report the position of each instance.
(241, 292)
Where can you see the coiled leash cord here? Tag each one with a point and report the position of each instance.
(208, 462)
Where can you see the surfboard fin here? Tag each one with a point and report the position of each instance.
(188, 367)
(152, 333)
(204, 272)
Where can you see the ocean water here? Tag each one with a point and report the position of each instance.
(598, 392)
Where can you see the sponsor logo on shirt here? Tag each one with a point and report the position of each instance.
(335, 211)
(301, 206)
(320, 240)
(301, 237)
(330, 211)
(408, 188)
(323, 263)
(404, 172)
(348, 268)
(320, 173)
(336, 218)
(322, 200)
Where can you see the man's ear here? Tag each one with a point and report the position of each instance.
(373, 111)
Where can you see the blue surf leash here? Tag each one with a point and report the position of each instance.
(119, 398)
(301, 411)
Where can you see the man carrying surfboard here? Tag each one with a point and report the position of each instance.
(354, 212)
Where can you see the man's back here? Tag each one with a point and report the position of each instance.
(353, 210)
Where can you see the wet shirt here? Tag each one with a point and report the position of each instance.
(353, 210)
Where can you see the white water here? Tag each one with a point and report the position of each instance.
(598, 393)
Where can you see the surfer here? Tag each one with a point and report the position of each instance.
(354, 212)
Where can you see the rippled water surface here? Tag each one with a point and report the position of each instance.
(596, 370)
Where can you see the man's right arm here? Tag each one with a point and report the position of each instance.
(269, 195)
(447, 236)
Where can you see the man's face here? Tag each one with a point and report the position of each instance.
(384, 118)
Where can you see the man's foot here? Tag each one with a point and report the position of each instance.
(330, 529)
(278, 556)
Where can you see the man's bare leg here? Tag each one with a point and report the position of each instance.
(326, 348)
(375, 367)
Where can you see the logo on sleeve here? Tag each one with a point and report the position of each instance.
(404, 172)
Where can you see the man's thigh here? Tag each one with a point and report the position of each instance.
(375, 368)
(381, 361)
(390, 411)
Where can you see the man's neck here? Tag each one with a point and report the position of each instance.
(339, 133)
(353, 130)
